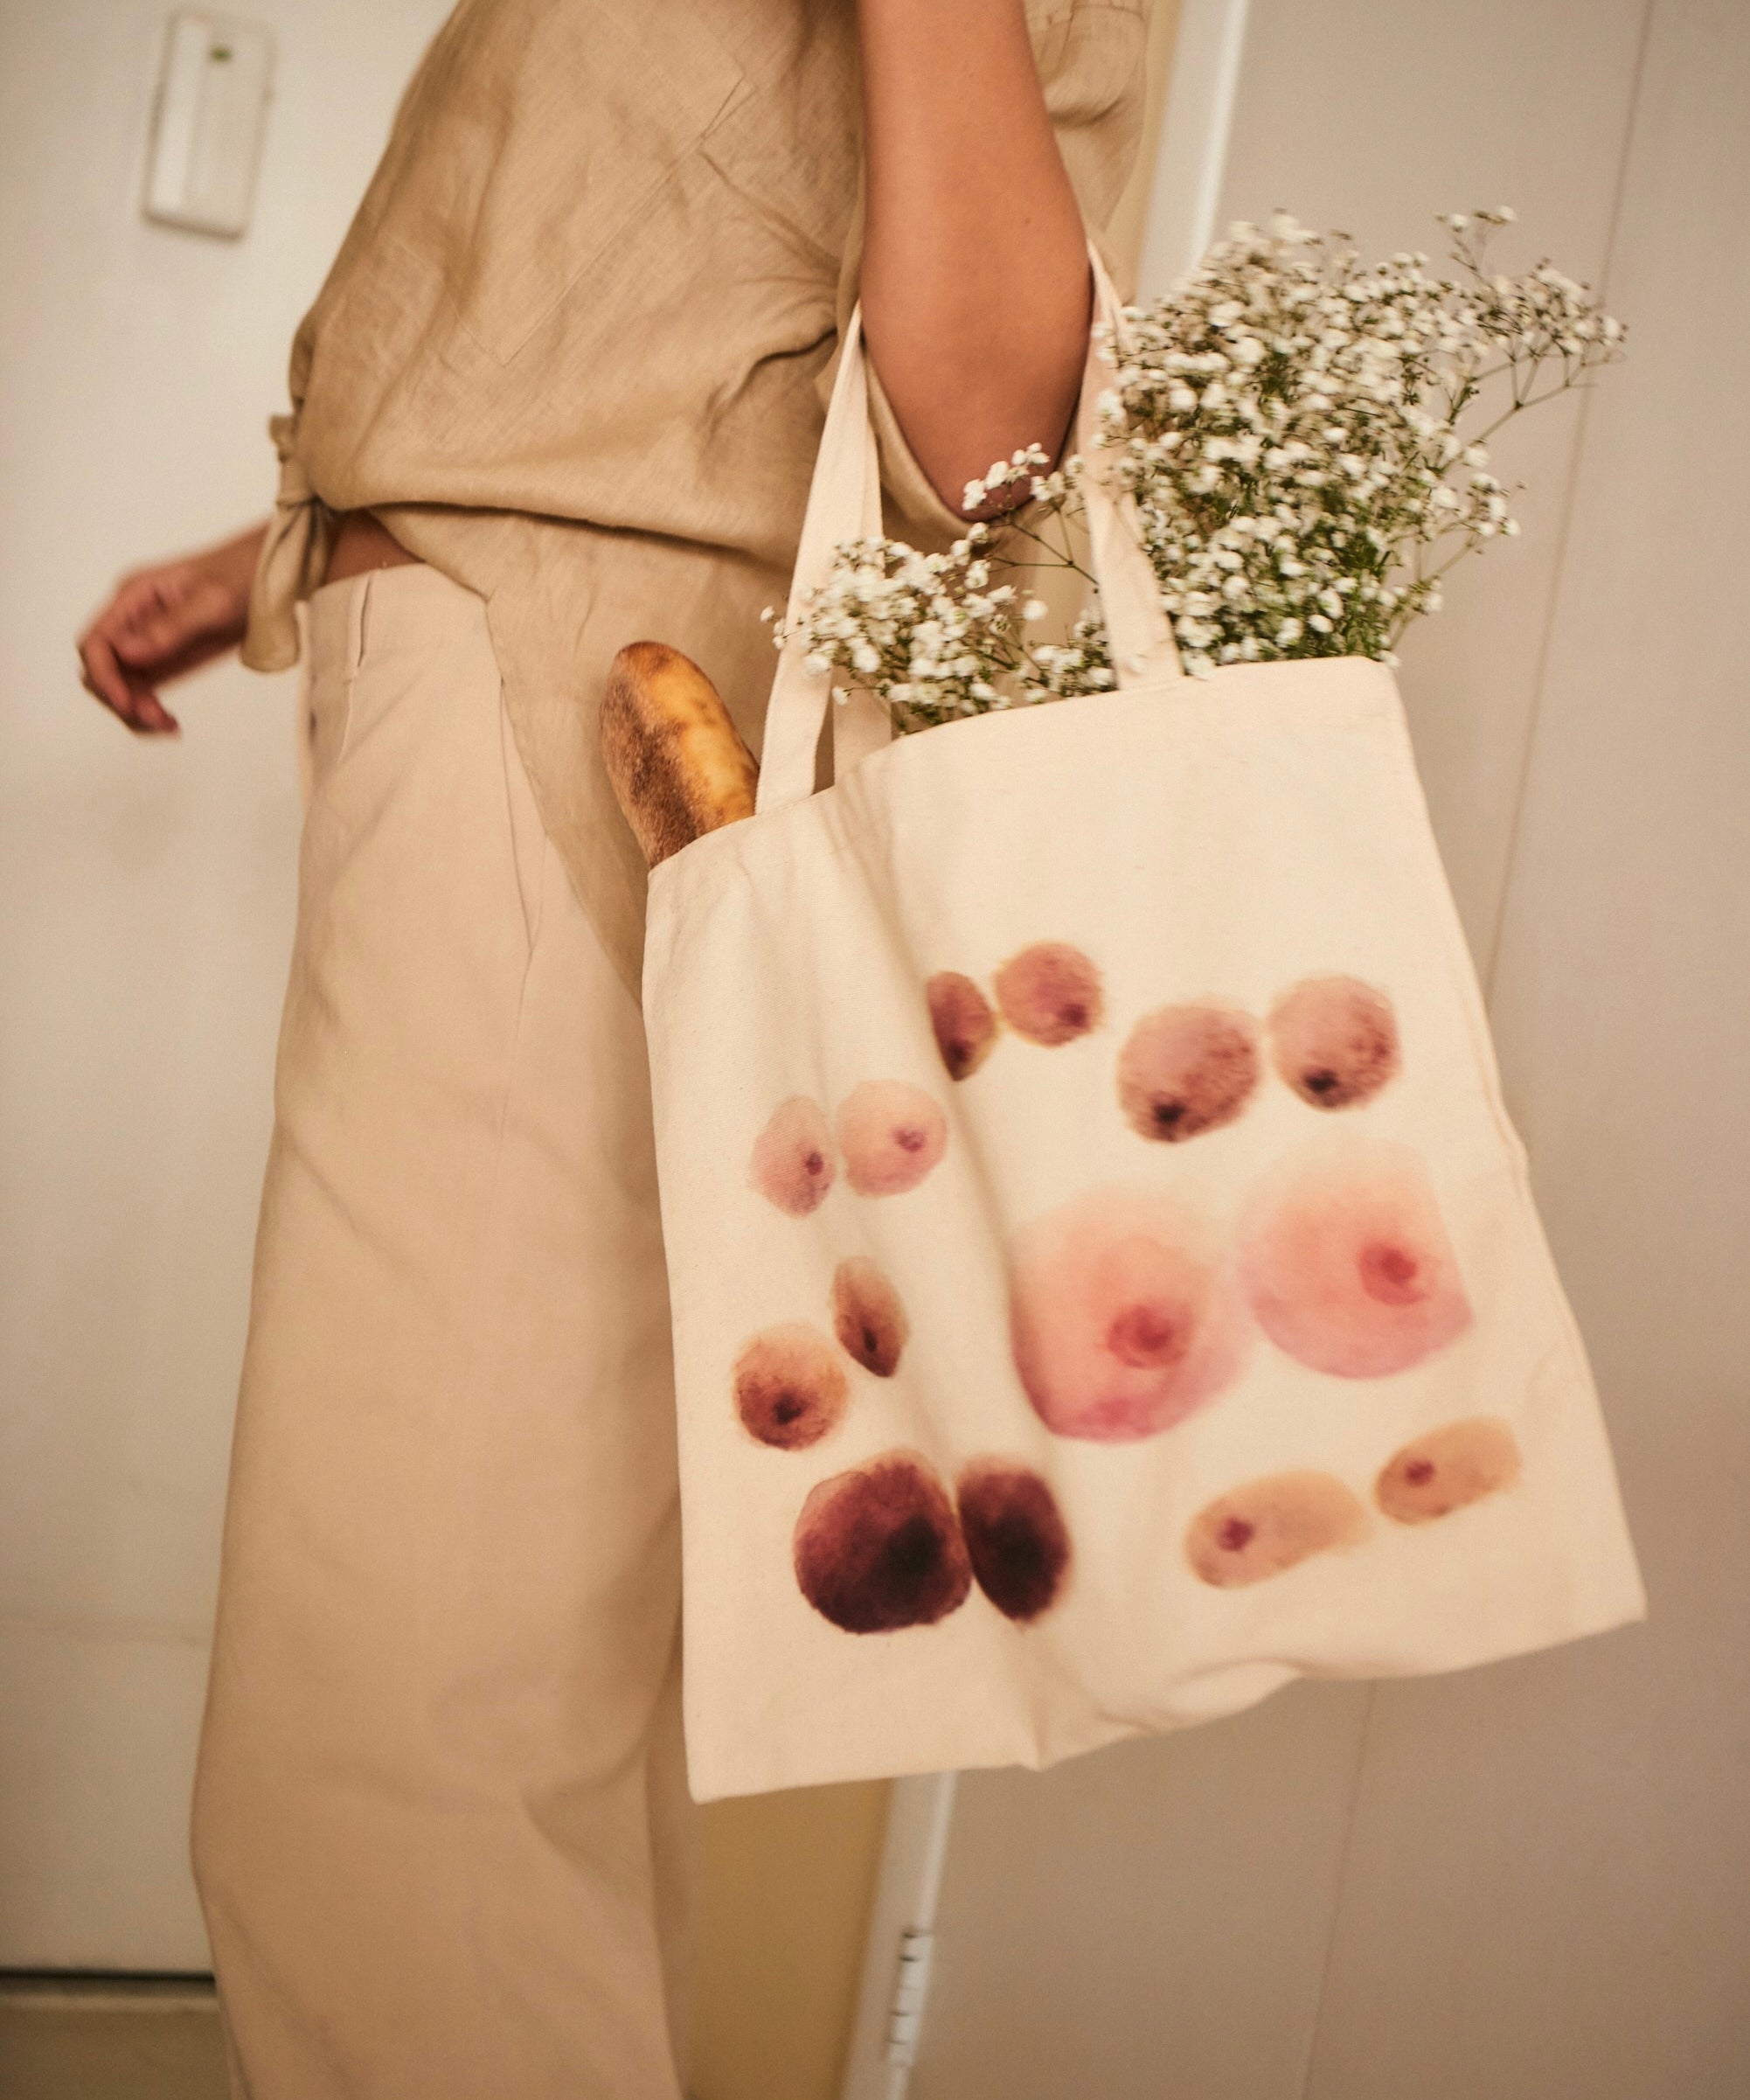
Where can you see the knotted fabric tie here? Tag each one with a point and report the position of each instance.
(293, 559)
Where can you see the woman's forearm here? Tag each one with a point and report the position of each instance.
(975, 292)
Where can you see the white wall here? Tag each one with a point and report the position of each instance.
(1548, 1887)
(1527, 1883)
(145, 903)
(1374, 116)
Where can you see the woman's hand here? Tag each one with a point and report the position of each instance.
(163, 623)
(975, 286)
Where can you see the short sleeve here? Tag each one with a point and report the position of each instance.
(1092, 58)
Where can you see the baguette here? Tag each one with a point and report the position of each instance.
(675, 761)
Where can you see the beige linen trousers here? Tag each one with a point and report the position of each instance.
(441, 1817)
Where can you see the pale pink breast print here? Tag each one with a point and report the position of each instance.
(892, 1135)
(880, 1548)
(792, 1164)
(790, 1386)
(1345, 1262)
(1123, 1317)
(1269, 1526)
(1016, 1537)
(1187, 1069)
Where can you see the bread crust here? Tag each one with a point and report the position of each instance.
(675, 759)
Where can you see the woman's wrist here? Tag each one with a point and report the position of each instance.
(232, 564)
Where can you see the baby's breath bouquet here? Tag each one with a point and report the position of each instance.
(1306, 440)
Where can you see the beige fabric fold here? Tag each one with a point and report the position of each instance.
(576, 348)
(441, 1826)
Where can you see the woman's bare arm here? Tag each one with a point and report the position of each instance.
(976, 290)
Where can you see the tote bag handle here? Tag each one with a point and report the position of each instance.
(845, 503)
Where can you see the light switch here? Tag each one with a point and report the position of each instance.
(207, 124)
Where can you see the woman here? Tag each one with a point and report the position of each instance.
(561, 391)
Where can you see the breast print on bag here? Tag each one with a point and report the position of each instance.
(1128, 1311)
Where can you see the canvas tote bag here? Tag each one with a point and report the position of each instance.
(1106, 1283)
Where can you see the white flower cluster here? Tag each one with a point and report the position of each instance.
(1009, 483)
(1289, 424)
(1084, 665)
(1306, 440)
(931, 633)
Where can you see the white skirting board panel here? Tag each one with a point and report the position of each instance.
(919, 1818)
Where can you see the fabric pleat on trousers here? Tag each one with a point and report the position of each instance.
(441, 1832)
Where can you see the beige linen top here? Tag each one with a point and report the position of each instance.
(575, 347)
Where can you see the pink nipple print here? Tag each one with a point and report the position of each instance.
(1016, 1536)
(792, 1164)
(791, 1387)
(965, 1027)
(1187, 1069)
(1269, 1526)
(868, 1317)
(1122, 1319)
(880, 1548)
(1345, 1262)
(892, 1135)
(1334, 1040)
(1448, 1469)
(1050, 993)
